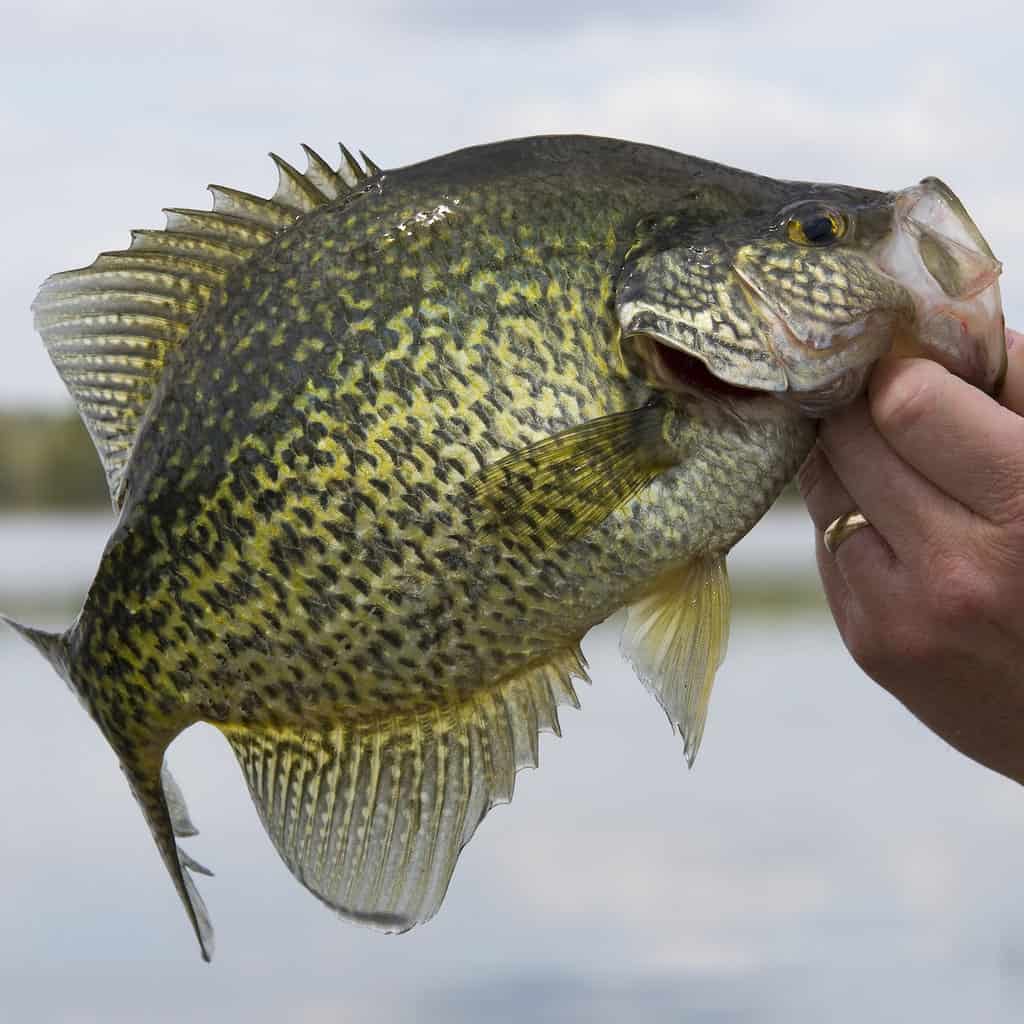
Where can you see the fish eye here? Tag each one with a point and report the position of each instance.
(819, 226)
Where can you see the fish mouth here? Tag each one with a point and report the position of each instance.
(936, 252)
(674, 370)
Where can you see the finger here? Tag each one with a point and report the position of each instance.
(863, 561)
(1012, 394)
(909, 512)
(823, 493)
(967, 445)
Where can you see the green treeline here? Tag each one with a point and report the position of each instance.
(47, 461)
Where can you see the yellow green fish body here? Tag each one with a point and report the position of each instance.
(386, 446)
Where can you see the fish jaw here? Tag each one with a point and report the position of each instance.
(937, 253)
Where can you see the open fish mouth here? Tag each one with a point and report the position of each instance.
(675, 370)
(938, 254)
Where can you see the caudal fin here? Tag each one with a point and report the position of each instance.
(51, 646)
(154, 788)
(163, 806)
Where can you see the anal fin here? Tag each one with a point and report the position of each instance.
(371, 816)
(675, 638)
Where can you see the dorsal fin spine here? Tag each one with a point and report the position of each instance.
(188, 246)
(129, 330)
(111, 302)
(322, 174)
(149, 260)
(294, 189)
(373, 170)
(356, 175)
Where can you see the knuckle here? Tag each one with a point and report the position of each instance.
(864, 648)
(961, 590)
(873, 644)
(887, 646)
(817, 484)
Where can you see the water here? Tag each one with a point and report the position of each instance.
(827, 859)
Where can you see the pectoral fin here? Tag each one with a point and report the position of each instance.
(676, 637)
(371, 816)
(555, 490)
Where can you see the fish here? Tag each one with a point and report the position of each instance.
(383, 447)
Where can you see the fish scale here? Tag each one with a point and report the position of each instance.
(386, 445)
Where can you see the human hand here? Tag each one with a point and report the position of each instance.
(930, 598)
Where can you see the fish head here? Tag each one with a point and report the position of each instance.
(800, 299)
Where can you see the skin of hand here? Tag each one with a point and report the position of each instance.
(930, 598)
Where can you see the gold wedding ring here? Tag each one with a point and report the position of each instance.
(842, 528)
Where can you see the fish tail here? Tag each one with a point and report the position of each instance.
(52, 646)
(164, 809)
(152, 785)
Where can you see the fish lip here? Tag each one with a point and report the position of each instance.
(780, 337)
(958, 317)
(990, 269)
(753, 291)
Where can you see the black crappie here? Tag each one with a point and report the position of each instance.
(385, 446)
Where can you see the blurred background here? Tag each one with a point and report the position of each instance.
(827, 859)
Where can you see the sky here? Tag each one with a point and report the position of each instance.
(113, 111)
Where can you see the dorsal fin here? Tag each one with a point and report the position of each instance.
(108, 327)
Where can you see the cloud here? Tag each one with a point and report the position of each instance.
(535, 18)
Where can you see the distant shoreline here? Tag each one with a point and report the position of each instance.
(47, 461)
